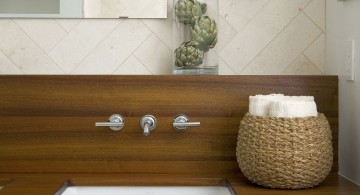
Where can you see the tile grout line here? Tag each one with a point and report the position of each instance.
(307, 5)
(313, 21)
(7, 57)
(32, 40)
(155, 34)
(313, 41)
(13, 63)
(322, 72)
(91, 51)
(121, 63)
(260, 10)
(132, 53)
(61, 25)
(220, 58)
(271, 41)
(66, 33)
(302, 53)
(296, 59)
(60, 40)
(143, 64)
(237, 32)
(8, 21)
(11, 21)
(247, 23)
(57, 21)
(227, 65)
(281, 72)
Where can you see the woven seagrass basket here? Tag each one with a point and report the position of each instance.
(287, 153)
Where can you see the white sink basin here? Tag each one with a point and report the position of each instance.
(145, 190)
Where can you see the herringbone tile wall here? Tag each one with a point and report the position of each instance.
(256, 37)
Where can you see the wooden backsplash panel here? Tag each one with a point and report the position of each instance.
(47, 122)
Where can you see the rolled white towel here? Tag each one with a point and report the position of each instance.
(259, 104)
(298, 98)
(293, 108)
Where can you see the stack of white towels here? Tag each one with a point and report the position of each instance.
(279, 105)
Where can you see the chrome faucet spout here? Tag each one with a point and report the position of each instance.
(147, 129)
(148, 123)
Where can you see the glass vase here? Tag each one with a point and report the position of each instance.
(195, 36)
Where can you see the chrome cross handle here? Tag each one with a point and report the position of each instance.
(116, 122)
(181, 123)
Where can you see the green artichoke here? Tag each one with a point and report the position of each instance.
(204, 32)
(188, 10)
(188, 55)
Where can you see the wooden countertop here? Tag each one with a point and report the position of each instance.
(41, 184)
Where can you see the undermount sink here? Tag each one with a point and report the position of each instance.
(4, 182)
(70, 189)
(146, 190)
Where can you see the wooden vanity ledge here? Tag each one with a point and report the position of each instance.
(55, 139)
(41, 184)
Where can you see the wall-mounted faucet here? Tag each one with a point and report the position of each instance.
(116, 122)
(182, 122)
(148, 123)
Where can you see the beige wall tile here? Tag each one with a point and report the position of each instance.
(247, 28)
(132, 66)
(4, 23)
(7, 67)
(248, 43)
(115, 49)
(81, 41)
(316, 52)
(68, 24)
(155, 56)
(285, 48)
(316, 11)
(240, 13)
(24, 53)
(226, 33)
(45, 33)
(302, 66)
(225, 69)
(163, 28)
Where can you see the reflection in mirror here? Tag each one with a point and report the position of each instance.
(30, 6)
(83, 8)
(41, 8)
(125, 8)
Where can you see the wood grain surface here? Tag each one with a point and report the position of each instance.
(47, 122)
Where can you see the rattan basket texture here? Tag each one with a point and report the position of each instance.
(287, 153)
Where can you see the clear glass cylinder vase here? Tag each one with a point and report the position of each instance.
(195, 36)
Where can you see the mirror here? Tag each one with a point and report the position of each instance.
(83, 8)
